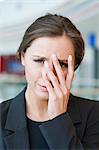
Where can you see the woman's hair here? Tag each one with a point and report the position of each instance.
(52, 26)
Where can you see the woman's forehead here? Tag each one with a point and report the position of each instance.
(49, 45)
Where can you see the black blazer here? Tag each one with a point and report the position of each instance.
(76, 129)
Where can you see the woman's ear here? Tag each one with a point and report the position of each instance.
(22, 59)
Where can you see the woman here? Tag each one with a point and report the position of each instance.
(45, 115)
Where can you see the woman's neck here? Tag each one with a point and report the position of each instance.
(36, 108)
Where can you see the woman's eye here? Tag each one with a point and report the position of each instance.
(63, 65)
(39, 60)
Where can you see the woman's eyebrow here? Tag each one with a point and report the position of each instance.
(41, 57)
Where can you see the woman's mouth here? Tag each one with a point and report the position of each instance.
(43, 88)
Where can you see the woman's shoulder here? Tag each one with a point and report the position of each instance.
(4, 107)
(84, 101)
(85, 105)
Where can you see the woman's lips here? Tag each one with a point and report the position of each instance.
(43, 88)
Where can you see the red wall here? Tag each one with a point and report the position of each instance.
(9, 64)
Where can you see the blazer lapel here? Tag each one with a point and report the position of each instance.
(16, 133)
(17, 140)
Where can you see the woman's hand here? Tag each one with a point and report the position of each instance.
(59, 90)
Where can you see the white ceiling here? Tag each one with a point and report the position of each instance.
(13, 12)
(16, 15)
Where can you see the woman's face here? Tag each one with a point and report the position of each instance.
(40, 50)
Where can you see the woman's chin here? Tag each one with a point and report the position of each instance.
(43, 96)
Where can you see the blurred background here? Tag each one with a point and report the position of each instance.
(17, 15)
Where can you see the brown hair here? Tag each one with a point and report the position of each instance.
(53, 25)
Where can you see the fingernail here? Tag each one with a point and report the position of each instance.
(54, 56)
(70, 57)
(46, 64)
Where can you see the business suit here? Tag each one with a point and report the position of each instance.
(76, 129)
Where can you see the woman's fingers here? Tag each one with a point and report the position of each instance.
(56, 98)
(53, 80)
(70, 73)
(48, 84)
(60, 73)
(64, 85)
